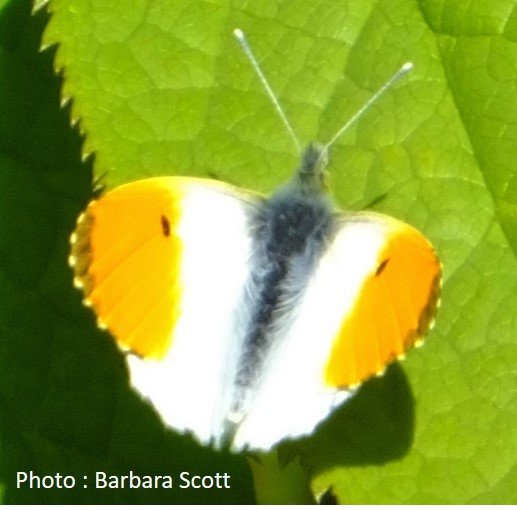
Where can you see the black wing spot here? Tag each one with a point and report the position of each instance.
(166, 227)
(381, 267)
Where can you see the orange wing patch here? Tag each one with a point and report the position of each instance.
(393, 311)
(126, 256)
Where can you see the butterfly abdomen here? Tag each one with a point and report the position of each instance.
(290, 232)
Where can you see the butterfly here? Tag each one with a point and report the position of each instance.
(244, 319)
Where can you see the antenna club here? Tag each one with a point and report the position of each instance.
(407, 67)
(239, 34)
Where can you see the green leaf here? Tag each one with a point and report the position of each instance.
(162, 88)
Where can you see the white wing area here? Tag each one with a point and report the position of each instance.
(188, 386)
(292, 398)
(193, 386)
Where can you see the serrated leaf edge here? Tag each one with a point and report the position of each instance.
(66, 97)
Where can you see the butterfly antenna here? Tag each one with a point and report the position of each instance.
(405, 68)
(241, 39)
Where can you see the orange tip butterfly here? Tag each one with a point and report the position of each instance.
(246, 320)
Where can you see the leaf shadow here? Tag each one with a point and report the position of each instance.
(374, 427)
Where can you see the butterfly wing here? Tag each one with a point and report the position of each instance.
(163, 262)
(372, 296)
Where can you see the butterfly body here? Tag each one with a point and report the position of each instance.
(289, 231)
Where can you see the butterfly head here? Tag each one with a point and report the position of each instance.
(312, 173)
